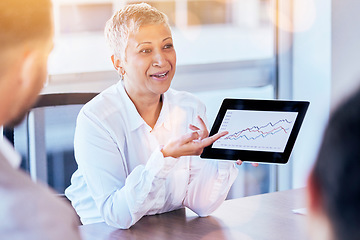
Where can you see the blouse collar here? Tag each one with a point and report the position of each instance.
(135, 120)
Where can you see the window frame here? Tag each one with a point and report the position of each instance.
(276, 71)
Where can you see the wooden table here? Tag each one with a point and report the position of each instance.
(266, 216)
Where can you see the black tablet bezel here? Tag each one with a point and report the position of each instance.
(257, 105)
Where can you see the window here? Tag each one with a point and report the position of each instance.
(225, 48)
(205, 31)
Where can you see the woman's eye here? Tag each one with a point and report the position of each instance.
(168, 46)
(145, 51)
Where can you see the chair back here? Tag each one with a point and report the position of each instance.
(45, 138)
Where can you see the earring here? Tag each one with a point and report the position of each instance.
(121, 74)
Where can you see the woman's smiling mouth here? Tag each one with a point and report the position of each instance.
(160, 75)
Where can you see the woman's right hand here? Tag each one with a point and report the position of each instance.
(189, 144)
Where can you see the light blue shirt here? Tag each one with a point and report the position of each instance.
(28, 210)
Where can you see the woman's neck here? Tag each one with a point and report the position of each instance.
(148, 107)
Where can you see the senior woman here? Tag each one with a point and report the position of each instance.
(136, 143)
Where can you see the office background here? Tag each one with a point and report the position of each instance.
(301, 49)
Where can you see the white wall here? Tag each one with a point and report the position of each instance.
(345, 49)
(326, 69)
(311, 78)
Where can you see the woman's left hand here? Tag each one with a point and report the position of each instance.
(239, 162)
(202, 130)
(204, 133)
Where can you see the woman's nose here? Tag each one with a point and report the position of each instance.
(158, 59)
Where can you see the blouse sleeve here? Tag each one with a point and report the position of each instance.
(121, 199)
(210, 180)
(209, 184)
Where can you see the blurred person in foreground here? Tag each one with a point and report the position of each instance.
(136, 143)
(333, 193)
(27, 210)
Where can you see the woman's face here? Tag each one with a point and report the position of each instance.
(150, 61)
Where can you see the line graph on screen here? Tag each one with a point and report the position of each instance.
(256, 130)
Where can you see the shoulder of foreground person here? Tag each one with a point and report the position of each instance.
(32, 211)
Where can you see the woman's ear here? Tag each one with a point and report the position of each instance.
(116, 62)
(117, 65)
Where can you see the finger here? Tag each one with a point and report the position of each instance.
(203, 133)
(203, 127)
(219, 135)
(202, 123)
(189, 137)
(209, 140)
(193, 127)
(239, 162)
(199, 131)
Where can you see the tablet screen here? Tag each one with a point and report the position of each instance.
(258, 130)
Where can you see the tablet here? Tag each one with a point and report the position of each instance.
(261, 131)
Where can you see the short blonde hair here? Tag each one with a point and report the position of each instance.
(128, 20)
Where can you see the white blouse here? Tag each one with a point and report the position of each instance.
(122, 174)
